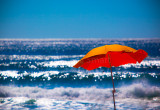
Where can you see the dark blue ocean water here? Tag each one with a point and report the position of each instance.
(47, 65)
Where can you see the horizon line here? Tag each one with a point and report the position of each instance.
(75, 38)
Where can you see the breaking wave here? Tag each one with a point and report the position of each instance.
(135, 96)
(137, 90)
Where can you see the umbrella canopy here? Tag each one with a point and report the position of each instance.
(118, 54)
(111, 55)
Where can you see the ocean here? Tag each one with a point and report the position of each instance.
(39, 74)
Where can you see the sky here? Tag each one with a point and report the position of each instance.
(38, 19)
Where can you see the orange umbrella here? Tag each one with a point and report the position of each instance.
(111, 55)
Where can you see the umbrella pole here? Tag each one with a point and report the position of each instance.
(113, 91)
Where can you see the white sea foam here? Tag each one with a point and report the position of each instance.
(136, 90)
(50, 104)
(136, 94)
(12, 74)
(60, 63)
(144, 64)
(45, 74)
(79, 75)
(15, 74)
(37, 57)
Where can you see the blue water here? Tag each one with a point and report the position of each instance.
(37, 69)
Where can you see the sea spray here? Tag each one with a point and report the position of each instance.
(136, 90)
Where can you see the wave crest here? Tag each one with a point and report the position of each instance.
(137, 91)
